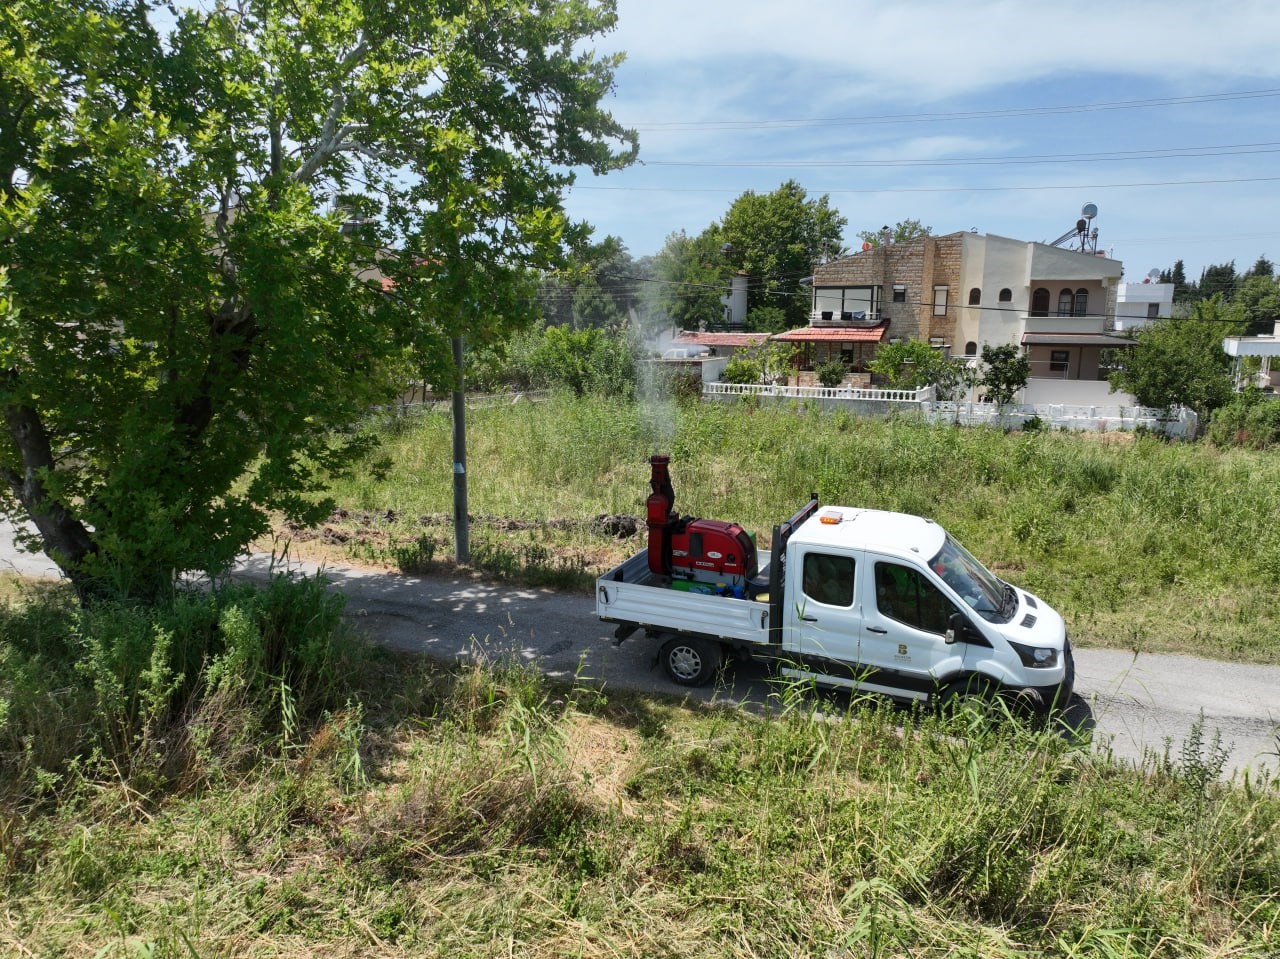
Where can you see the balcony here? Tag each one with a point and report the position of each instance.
(847, 318)
(1063, 324)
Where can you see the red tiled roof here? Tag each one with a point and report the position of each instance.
(826, 334)
(721, 339)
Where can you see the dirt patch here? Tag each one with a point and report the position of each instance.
(603, 758)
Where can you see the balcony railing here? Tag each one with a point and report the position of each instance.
(845, 318)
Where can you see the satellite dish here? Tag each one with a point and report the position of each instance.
(1089, 211)
(1153, 275)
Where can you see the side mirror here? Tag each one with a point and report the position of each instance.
(955, 627)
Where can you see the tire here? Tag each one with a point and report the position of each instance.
(975, 690)
(691, 660)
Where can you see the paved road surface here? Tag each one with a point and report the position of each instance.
(1133, 703)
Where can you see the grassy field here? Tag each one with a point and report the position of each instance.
(237, 774)
(1142, 544)
(484, 813)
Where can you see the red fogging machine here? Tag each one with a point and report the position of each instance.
(685, 548)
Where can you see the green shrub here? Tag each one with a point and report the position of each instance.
(1251, 419)
(831, 374)
(116, 686)
(742, 369)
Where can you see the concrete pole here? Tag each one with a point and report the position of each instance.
(461, 531)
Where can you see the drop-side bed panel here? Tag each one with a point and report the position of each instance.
(638, 597)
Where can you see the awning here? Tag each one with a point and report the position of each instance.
(827, 334)
(1075, 339)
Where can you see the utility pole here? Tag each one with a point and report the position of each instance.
(461, 544)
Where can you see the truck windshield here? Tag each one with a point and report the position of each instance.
(972, 581)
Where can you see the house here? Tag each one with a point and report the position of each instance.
(1140, 304)
(965, 290)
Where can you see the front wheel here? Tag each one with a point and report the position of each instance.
(691, 660)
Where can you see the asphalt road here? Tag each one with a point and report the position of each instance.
(1134, 704)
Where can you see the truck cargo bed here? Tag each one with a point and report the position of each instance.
(630, 593)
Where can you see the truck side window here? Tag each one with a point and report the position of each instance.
(828, 579)
(904, 594)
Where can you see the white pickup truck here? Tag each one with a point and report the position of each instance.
(867, 599)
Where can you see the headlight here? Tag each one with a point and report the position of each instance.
(1036, 657)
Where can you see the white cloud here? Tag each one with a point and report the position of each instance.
(932, 50)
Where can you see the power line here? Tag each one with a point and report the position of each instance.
(1109, 105)
(956, 189)
(1161, 153)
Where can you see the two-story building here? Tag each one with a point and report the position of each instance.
(962, 291)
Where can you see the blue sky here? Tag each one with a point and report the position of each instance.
(998, 115)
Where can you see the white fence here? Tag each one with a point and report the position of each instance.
(848, 393)
(1100, 419)
(872, 402)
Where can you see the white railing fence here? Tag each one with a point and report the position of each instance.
(1082, 417)
(820, 392)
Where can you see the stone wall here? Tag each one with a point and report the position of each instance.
(919, 265)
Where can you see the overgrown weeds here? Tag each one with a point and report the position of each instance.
(1114, 531)
(373, 804)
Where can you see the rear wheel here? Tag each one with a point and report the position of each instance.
(691, 660)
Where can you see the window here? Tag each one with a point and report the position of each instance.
(971, 348)
(1066, 303)
(940, 301)
(1153, 311)
(1040, 302)
(1058, 360)
(1006, 295)
(1082, 302)
(903, 594)
(828, 579)
(899, 293)
(975, 296)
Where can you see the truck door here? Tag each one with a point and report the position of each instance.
(905, 618)
(824, 613)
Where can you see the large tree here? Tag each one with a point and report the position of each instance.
(776, 238)
(188, 315)
(692, 276)
(1180, 362)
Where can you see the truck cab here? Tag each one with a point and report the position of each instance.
(891, 603)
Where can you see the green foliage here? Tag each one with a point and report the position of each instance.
(831, 374)
(187, 326)
(742, 369)
(585, 361)
(903, 231)
(1180, 362)
(908, 364)
(534, 806)
(1258, 296)
(767, 319)
(1250, 419)
(694, 277)
(131, 681)
(1005, 371)
(777, 238)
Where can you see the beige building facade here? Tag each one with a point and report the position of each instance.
(963, 291)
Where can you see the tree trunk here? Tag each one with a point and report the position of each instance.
(66, 541)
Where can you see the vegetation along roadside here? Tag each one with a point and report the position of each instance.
(235, 774)
(1142, 544)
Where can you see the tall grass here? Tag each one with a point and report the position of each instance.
(1141, 543)
(497, 814)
